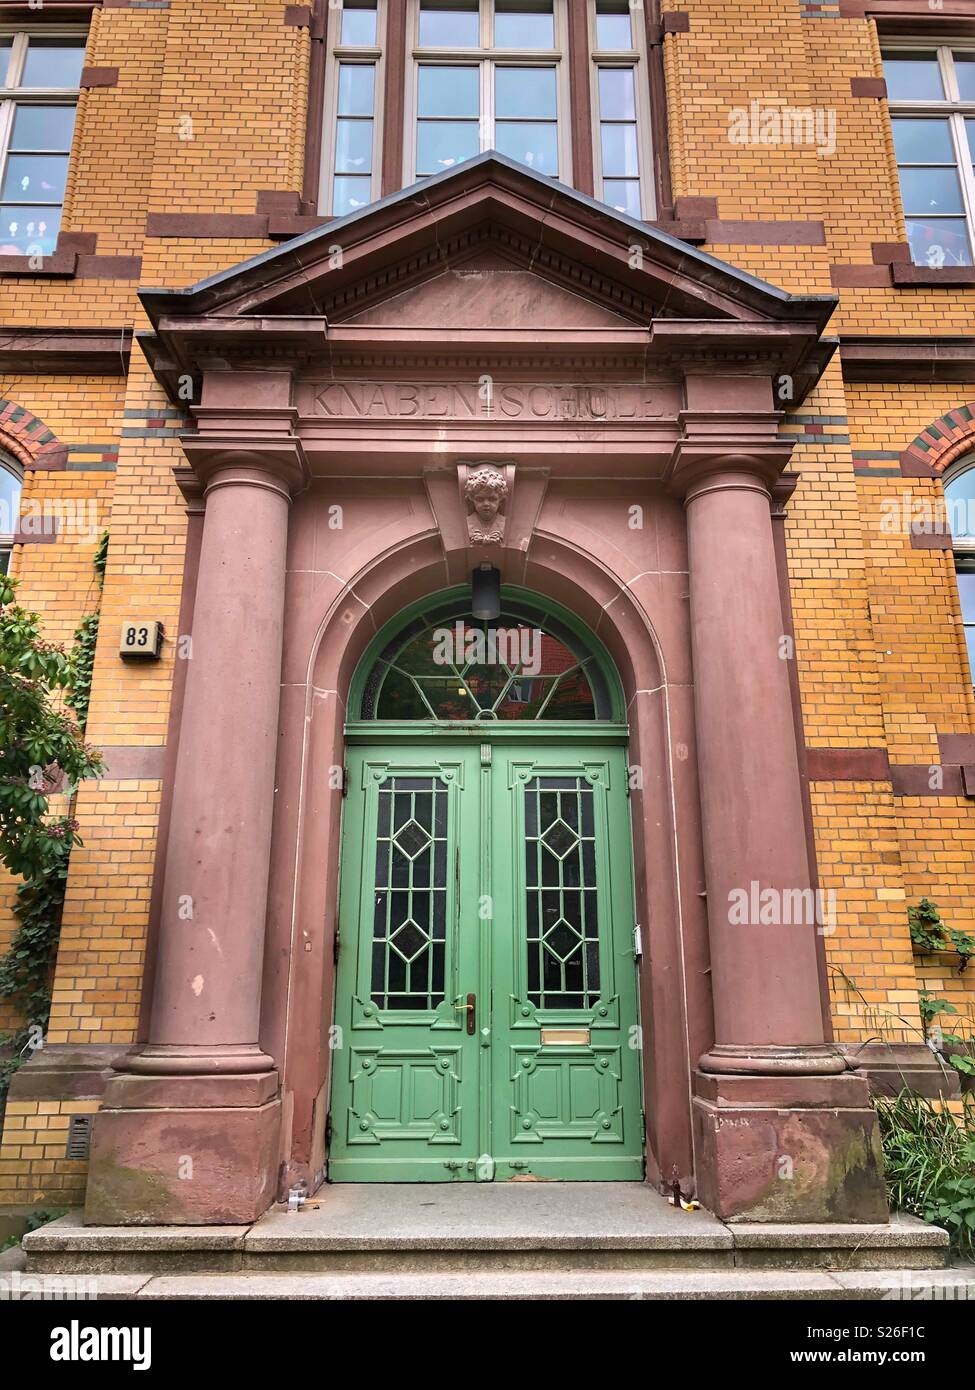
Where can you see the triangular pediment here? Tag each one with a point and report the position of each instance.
(491, 248)
(486, 289)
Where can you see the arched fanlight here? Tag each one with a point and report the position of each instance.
(447, 666)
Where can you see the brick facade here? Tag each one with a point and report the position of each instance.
(207, 115)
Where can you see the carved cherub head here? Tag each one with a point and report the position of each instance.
(486, 491)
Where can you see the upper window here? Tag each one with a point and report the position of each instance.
(488, 75)
(39, 77)
(931, 93)
(448, 666)
(621, 114)
(11, 482)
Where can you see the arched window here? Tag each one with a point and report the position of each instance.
(959, 490)
(445, 666)
(11, 483)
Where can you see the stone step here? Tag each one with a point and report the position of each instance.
(434, 1237)
(543, 1285)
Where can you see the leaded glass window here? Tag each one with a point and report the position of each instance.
(562, 934)
(410, 908)
(450, 667)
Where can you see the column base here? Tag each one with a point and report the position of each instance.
(184, 1150)
(893, 1067)
(788, 1148)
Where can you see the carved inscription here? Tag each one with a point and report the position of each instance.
(470, 401)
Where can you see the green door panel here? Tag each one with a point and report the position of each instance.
(565, 1050)
(405, 1070)
(501, 870)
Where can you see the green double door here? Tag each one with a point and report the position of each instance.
(486, 1000)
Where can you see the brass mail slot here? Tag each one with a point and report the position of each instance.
(565, 1037)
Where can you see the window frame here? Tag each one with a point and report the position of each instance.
(13, 95)
(951, 107)
(8, 464)
(637, 59)
(487, 60)
(363, 55)
(962, 548)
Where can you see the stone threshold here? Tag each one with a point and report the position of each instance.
(489, 1230)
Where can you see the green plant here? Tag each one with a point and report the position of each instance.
(42, 753)
(927, 928)
(41, 749)
(33, 1222)
(964, 944)
(930, 1008)
(82, 659)
(930, 933)
(929, 1160)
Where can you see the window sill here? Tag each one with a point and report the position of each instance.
(73, 257)
(60, 263)
(923, 276)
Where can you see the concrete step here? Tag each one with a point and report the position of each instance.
(538, 1286)
(486, 1229)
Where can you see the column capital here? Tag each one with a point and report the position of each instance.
(710, 464)
(224, 459)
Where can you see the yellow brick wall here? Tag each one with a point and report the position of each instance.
(209, 111)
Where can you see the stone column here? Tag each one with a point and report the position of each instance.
(195, 1120)
(783, 1131)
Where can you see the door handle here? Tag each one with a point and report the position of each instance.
(471, 1008)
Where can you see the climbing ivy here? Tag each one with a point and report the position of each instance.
(42, 753)
(82, 658)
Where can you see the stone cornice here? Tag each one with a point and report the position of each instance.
(40, 351)
(903, 358)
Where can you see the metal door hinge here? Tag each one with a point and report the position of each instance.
(328, 1130)
(637, 941)
(336, 947)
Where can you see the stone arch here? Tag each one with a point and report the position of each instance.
(299, 973)
(941, 443)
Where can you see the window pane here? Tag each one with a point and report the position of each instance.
(970, 130)
(350, 194)
(970, 642)
(358, 22)
(923, 142)
(6, 45)
(53, 63)
(43, 128)
(447, 91)
(453, 25)
(523, 25)
(939, 241)
(965, 73)
(35, 178)
(613, 28)
(530, 142)
(960, 509)
(966, 592)
(10, 501)
(353, 147)
(617, 100)
(623, 195)
(913, 77)
(356, 86)
(442, 144)
(930, 191)
(28, 231)
(4, 561)
(620, 159)
(525, 92)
